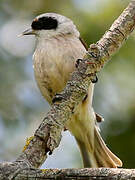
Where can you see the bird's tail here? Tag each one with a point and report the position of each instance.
(100, 155)
(83, 126)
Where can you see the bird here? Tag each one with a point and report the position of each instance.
(58, 46)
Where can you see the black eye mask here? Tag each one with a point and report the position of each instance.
(46, 23)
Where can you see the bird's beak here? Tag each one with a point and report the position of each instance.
(29, 31)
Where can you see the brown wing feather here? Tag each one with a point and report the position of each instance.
(84, 43)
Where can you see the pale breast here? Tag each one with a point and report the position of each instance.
(54, 61)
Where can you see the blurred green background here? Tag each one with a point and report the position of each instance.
(22, 107)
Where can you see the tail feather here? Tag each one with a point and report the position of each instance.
(100, 156)
(94, 151)
(111, 160)
(84, 153)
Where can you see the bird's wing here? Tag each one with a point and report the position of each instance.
(84, 43)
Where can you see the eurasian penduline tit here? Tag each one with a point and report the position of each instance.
(58, 46)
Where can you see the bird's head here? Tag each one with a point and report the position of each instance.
(51, 24)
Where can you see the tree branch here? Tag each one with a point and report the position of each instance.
(74, 174)
(47, 137)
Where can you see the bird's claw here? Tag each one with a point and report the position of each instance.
(78, 62)
(95, 79)
(57, 98)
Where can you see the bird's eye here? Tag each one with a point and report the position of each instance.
(46, 23)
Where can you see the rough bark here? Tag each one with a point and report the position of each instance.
(73, 174)
(48, 135)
